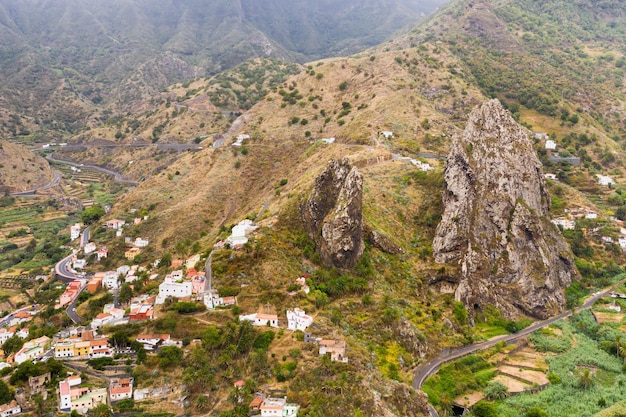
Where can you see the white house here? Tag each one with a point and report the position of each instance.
(75, 231)
(298, 320)
(115, 224)
(240, 232)
(260, 319)
(151, 341)
(32, 349)
(240, 139)
(65, 387)
(565, 223)
(122, 270)
(10, 409)
(141, 243)
(110, 280)
(387, 134)
(552, 177)
(102, 253)
(170, 288)
(550, 145)
(89, 248)
(622, 242)
(328, 140)
(275, 407)
(605, 180)
(5, 334)
(591, 214)
(79, 263)
(120, 389)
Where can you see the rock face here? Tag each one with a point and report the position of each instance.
(333, 214)
(495, 223)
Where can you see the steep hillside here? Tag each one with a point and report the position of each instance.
(21, 170)
(62, 62)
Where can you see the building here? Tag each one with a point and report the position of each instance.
(298, 320)
(89, 248)
(152, 341)
(71, 292)
(131, 253)
(240, 232)
(273, 407)
(74, 397)
(141, 311)
(6, 334)
(95, 283)
(10, 409)
(605, 180)
(335, 348)
(79, 263)
(170, 288)
(550, 145)
(115, 224)
(33, 349)
(192, 261)
(565, 223)
(386, 134)
(141, 243)
(102, 253)
(83, 348)
(75, 231)
(37, 384)
(260, 319)
(120, 389)
(302, 283)
(110, 280)
(551, 177)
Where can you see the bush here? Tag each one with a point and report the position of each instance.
(485, 409)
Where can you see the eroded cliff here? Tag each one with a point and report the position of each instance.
(495, 223)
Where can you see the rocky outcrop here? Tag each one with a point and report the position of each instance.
(495, 222)
(382, 242)
(333, 214)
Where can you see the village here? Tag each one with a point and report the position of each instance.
(79, 345)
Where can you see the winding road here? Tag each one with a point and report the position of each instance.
(55, 180)
(116, 175)
(429, 368)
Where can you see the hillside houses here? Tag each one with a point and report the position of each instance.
(32, 349)
(240, 232)
(74, 397)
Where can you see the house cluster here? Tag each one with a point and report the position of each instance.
(273, 407)
(297, 319)
(74, 397)
(71, 293)
(84, 346)
(568, 222)
(152, 342)
(33, 349)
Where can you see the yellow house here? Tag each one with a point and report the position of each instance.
(131, 253)
(81, 349)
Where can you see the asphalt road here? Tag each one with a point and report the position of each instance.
(55, 180)
(116, 175)
(427, 369)
(84, 236)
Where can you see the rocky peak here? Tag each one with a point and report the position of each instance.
(495, 224)
(333, 214)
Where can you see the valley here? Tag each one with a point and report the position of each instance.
(236, 214)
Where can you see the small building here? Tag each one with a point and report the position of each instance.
(110, 280)
(273, 407)
(605, 180)
(33, 349)
(139, 312)
(120, 389)
(551, 177)
(75, 231)
(37, 384)
(79, 263)
(298, 320)
(170, 288)
(591, 214)
(152, 341)
(94, 283)
(261, 319)
(550, 145)
(115, 224)
(327, 140)
(141, 243)
(192, 261)
(89, 248)
(131, 253)
(335, 348)
(386, 134)
(566, 224)
(301, 281)
(240, 232)
(10, 409)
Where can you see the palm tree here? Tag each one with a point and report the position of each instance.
(586, 379)
(621, 351)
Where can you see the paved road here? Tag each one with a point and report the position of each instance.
(84, 236)
(424, 371)
(160, 146)
(116, 175)
(55, 180)
(71, 310)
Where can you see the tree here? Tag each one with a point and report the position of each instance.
(92, 214)
(485, 409)
(126, 293)
(496, 391)
(102, 410)
(12, 345)
(5, 393)
(585, 379)
(536, 412)
(170, 356)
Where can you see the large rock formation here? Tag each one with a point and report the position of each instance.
(333, 214)
(495, 223)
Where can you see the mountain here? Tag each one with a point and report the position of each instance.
(495, 222)
(22, 170)
(65, 62)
